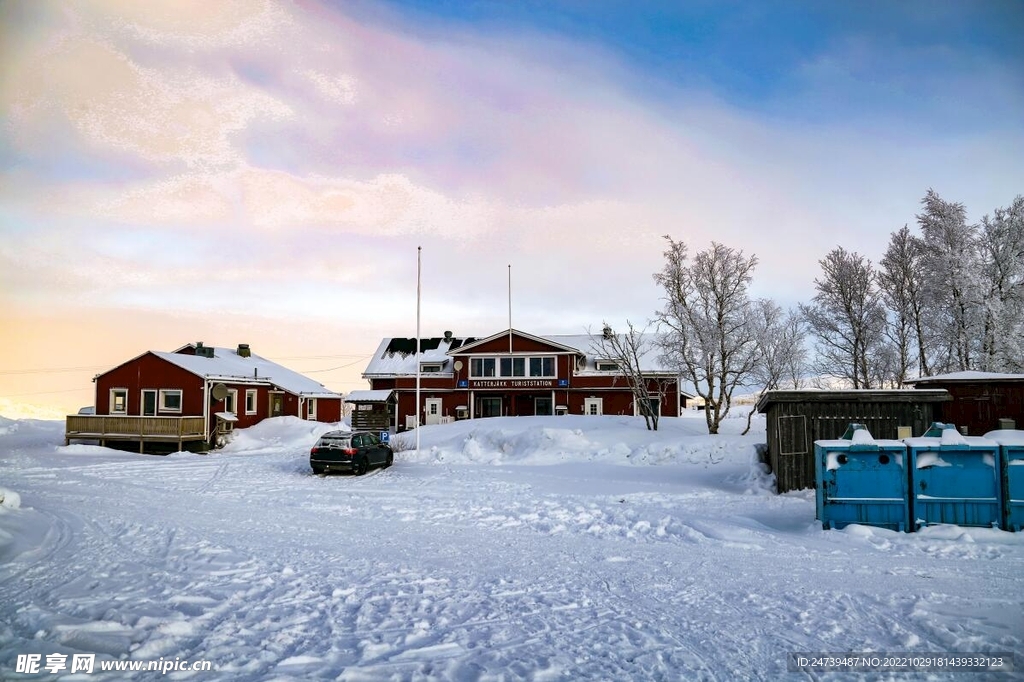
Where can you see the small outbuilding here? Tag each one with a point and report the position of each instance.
(373, 410)
(980, 401)
(795, 419)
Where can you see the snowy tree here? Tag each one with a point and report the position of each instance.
(953, 289)
(1001, 242)
(706, 318)
(899, 279)
(627, 352)
(781, 355)
(847, 319)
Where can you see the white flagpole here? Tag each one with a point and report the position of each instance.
(419, 267)
(510, 308)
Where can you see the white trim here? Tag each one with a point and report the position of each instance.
(255, 401)
(232, 396)
(162, 400)
(310, 409)
(112, 401)
(593, 402)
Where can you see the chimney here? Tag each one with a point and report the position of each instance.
(448, 336)
(243, 350)
(607, 331)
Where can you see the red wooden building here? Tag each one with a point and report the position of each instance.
(510, 373)
(981, 401)
(196, 392)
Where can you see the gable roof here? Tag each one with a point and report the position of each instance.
(228, 366)
(397, 357)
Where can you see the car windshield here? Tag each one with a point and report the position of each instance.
(335, 442)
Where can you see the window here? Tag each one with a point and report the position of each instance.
(311, 408)
(119, 401)
(607, 366)
(429, 368)
(250, 401)
(652, 406)
(542, 367)
(170, 400)
(481, 367)
(231, 401)
(513, 367)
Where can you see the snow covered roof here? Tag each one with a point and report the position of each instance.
(375, 396)
(966, 377)
(228, 366)
(397, 356)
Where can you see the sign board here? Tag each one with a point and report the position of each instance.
(385, 437)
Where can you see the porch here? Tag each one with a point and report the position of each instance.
(134, 428)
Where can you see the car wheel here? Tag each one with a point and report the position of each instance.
(389, 460)
(359, 466)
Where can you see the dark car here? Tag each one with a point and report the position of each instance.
(354, 451)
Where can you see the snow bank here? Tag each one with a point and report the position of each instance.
(280, 432)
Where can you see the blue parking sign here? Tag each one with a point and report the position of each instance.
(385, 437)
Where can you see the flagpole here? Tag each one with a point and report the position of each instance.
(419, 268)
(510, 308)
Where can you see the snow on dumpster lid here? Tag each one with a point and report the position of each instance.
(1006, 436)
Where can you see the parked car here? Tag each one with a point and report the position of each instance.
(354, 451)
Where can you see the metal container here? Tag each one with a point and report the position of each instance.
(954, 478)
(862, 480)
(1011, 458)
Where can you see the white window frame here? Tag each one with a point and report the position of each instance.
(650, 397)
(606, 366)
(311, 409)
(593, 402)
(251, 399)
(430, 367)
(478, 364)
(113, 402)
(162, 400)
(542, 358)
(231, 399)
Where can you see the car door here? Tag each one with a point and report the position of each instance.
(375, 446)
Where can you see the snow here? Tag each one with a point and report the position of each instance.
(558, 548)
(1002, 436)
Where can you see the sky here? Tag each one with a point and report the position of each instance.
(263, 172)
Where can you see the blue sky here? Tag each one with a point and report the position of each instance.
(262, 171)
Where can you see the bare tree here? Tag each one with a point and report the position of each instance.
(779, 338)
(628, 352)
(707, 322)
(847, 318)
(899, 279)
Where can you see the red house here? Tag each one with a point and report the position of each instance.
(510, 373)
(196, 393)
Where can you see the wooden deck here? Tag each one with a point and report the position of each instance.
(134, 428)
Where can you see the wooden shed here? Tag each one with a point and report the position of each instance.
(795, 419)
(981, 401)
(373, 410)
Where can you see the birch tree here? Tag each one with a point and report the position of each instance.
(846, 318)
(708, 333)
(1001, 242)
(899, 279)
(779, 340)
(627, 351)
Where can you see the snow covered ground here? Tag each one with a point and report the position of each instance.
(560, 548)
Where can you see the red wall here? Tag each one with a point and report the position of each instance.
(150, 372)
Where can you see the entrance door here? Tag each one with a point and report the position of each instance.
(276, 404)
(433, 409)
(593, 406)
(149, 403)
(489, 407)
(542, 406)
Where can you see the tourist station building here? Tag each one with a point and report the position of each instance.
(511, 373)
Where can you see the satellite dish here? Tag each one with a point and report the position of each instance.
(220, 391)
(458, 365)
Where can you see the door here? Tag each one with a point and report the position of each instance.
(489, 407)
(149, 403)
(542, 406)
(276, 404)
(593, 406)
(432, 407)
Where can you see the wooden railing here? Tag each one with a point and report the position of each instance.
(123, 427)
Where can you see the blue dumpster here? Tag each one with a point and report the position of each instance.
(1011, 456)
(861, 480)
(954, 478)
